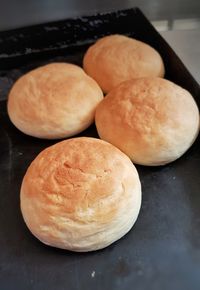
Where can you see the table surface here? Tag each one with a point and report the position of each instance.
(15, 13)
(186, 43)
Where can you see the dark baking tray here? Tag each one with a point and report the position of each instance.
(162, 251)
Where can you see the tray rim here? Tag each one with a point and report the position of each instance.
(113, 12)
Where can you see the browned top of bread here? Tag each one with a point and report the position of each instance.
(79, 190)
(117, 58)
(152, 120)
(53, 101)
(78, 173)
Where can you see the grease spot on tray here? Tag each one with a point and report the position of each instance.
(93, 274)
(122, 268)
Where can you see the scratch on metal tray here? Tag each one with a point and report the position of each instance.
(10, 156)
(77, 276)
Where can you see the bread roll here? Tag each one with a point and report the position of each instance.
(117, 58)
(54, 101)
(81, 194)
(152, 120)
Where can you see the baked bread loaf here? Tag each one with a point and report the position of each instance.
(152, 120)
(81, 194)
(117, 58)
(54, 101)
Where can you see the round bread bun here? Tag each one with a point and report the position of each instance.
(117, 58)
(152, 120)
(54, 101)
(81, 194)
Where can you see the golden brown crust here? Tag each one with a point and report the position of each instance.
(117, 58)
(152, 120)
(54, 101)
(80, 194)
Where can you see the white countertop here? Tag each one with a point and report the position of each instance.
(186, 44)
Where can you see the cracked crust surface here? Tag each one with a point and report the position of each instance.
(152, 120)
(54, 101)
(117, 58)
(81, 194)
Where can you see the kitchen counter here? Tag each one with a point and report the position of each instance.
(186, 43)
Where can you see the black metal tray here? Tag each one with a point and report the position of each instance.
(162, 251)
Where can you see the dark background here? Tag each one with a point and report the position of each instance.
(17, 13)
